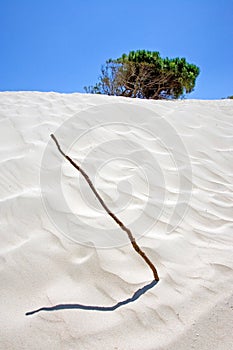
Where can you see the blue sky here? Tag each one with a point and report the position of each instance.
(59, 45)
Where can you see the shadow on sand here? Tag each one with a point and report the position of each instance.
(135, 296)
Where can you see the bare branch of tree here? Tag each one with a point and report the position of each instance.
(109, 212)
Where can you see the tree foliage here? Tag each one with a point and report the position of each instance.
(144, 74)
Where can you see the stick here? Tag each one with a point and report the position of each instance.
(109, 212)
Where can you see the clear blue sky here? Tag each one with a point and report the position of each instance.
(59, 45)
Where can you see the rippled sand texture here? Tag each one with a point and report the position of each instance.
(192, 305)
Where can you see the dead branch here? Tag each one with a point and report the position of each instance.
(109, 212)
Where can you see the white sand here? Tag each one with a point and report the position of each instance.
(192, 305)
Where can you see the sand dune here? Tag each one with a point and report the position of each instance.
(166, 169)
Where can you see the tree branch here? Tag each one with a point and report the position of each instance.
(109, 212)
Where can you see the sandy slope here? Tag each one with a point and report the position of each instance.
(192, 306)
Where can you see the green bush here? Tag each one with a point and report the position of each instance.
(144, 74)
